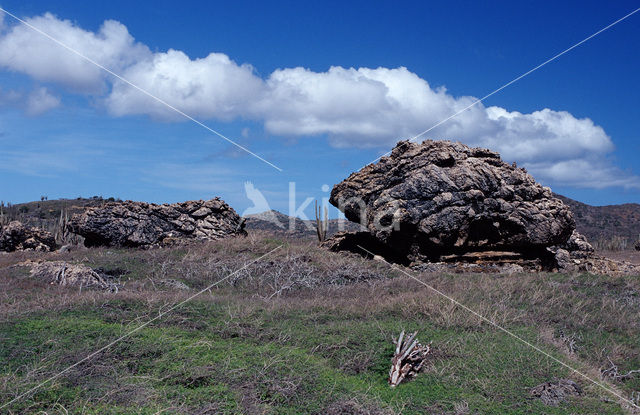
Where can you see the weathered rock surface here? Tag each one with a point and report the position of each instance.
(139, 224)
(571, 255)
(555, 392)
(17, 237)
(597, 265)
(436, 199)
(73, 275)
(577, 255)
(578, 246)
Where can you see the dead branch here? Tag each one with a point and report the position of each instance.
(408, 358)
(613, 372)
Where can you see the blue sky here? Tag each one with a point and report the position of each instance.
(69, 130)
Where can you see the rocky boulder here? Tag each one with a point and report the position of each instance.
(17, 237)
(437, 199)
(578, 246)
(139, 224)
(570, 255)
(73, 275)
(556, 392)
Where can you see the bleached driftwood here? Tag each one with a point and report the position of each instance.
(408, 358)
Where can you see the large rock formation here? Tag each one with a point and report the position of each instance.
(438, 200)
(17, 237)
(139, 224)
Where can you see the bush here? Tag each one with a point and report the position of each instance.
(615, 243)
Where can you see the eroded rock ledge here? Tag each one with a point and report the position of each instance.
(140, 224)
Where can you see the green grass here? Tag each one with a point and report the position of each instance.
(270, 361)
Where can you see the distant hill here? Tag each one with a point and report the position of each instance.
(45, 213)
(604, 226)
(604, 223)
(281, 224)
(600, 224)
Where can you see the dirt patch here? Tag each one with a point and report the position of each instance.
(628, 255)
(352, 406)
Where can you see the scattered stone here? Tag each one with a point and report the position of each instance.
(578, 246)
(74, 275)
(17, 237)
(510, 269)
(439, 198)
(577, 255)
(139, 224)
(555, 392)
(467, 267)
(606, 266)
(570, 255)
(563, 259)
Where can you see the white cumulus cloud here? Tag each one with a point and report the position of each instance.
(211, 87)
(37, 102)
(362, 107)
(41, 101)
(24, 50)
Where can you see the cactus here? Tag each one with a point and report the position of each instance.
(322, 223)
(4, 218)
(61, 233)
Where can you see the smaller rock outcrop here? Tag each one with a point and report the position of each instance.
(572, 254)
(139, 224)
(556, 392)
(578, 246)
(17, 237)
(73, 275)
(577, 255)
(637, 246)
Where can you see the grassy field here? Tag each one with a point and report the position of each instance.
(304, 331)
